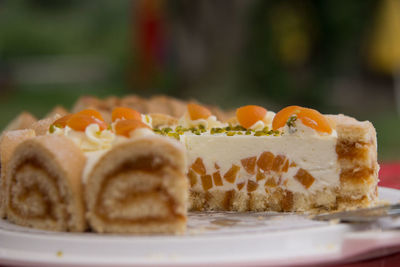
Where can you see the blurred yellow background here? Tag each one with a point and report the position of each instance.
(335, 56)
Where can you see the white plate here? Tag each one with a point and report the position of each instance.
(212, 238)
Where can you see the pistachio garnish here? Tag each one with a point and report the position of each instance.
(174, 135)
(52, 128)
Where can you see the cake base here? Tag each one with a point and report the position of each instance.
(279, 200)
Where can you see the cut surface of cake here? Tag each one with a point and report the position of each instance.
(295, 160)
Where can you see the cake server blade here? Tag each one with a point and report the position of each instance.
(361, 215)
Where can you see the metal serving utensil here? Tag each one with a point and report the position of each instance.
(361, 215)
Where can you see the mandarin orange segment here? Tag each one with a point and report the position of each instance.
(283, 115)
(287, 201)
(79, 122)
(251, 186)
(250, 114)
(313, 119)
(125, 127)
(278, 162)
(91, 113)
(198, 166)
(123, 113)
(265, 161)
(62, 122)
(304, 177)
(230, 175)
(271, 182)
(206, 182)
(249, 164)
(197, 112)
(267, 190)
(192, 178)
(240, 186)
(309, 117)
(217, 178)
(260, 176)
(285, 167)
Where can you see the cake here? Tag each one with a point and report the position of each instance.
(139, 186)
(140, 173)
(295, 160)
(8, 142)
(43, 186)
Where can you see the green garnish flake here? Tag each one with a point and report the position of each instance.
(230, 133)
(217, 130)
(277, 133)
(181, 129)
(52, 128)
(167, 130)
(247, 132)
(239, 128)
(174, 135)
(260, 133)
(291, 121)
(157, 131)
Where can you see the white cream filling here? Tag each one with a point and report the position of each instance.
(141, 132)
(147, 120)
(91, 159)
(91, 139)
(314, 152)
(265, 122)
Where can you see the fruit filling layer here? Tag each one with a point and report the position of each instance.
(259, 164)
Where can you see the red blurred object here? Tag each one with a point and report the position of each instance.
(149, 40)
(389, 175)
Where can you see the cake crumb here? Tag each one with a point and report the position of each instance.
(59, 254)
(334, 221)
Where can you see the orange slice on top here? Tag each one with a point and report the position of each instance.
(309, 117)
(197, 112)
(61, 122)
(79, 122)
(123, 113)
(125, 127)
(313, 119)
(248, 115)
(283, 115)
(91, 113)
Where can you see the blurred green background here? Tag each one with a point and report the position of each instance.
(335, 56)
